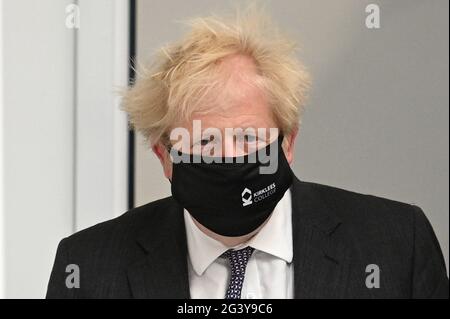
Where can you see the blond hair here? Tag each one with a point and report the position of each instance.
(185, 78)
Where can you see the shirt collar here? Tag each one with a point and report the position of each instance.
(274, 238)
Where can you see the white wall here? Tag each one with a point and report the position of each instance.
(101, 131)
(2, 207)
(64, 145)
(38, 54)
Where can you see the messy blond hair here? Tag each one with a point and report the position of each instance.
(185, 78)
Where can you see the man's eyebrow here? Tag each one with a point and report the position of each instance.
(245, 123)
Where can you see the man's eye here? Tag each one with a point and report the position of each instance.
(203, 142)
(250, 138)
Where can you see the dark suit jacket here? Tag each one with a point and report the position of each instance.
(336, 234)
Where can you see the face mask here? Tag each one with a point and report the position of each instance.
(232, 197)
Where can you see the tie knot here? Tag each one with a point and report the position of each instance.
(238, 260)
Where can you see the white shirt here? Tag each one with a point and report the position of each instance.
(269, 272)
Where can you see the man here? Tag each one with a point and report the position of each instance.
(221, 110)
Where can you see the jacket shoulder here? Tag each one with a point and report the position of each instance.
(124, 225)
(103, 252)
(394, 235)
(359, 208)
(382, 225)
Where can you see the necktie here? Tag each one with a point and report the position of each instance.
(238, 260)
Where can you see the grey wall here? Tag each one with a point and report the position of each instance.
(377, 119)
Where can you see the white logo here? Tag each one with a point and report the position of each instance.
(246, 197)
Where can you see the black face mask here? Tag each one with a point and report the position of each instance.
(232, 197)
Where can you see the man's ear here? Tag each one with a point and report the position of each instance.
(164, 157)
(289, 145)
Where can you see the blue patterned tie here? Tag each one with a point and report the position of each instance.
(238, 260)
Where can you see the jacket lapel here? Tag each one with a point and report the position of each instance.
(163, 272)
(320, 257)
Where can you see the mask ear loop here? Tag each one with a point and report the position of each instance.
(169, 148)
(281, 138)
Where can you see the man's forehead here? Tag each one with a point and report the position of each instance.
(235, 103)
(237, 65)
(234, 85)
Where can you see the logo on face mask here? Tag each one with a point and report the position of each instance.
(248, 198)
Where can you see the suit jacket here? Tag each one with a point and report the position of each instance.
(337, 234)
